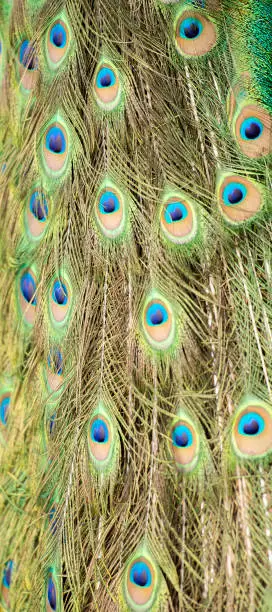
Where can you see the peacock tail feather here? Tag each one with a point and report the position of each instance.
(136, 319)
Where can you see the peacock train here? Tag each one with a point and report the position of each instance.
(136, 317)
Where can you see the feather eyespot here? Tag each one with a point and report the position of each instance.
(108, 203)
(140, 581)
(240, 199)
(184, 445)
(55, 149)
(55, 141)
(27, 56)
(178, 219)
(7, 578)
(4, 408)
(28, 295)
(251, 433)
(38, 206)
(252, 127)
(28, 65)
(28, 288)
(60, 301)
(59, 293)
(158, 323)
(107, 87)
(190, 28)
(110, 211)
(103, 441)
(143, 586)
(195, 34)
(51, 593)
(55, 369)
(156, 315)
(58, 42)
(6, 582)
(100, 438)
(37, 211)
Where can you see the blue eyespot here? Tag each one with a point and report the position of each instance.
(140, 574)
(7, 577)
(251, 424)
(234, 193)
(52, 423)
(175, 211)
(108, 203)
(55, 140)
(251, 128)
(28, 288)
(55, 362)
(38, 206)
(51, 593)
(27, 56)
(60, 293)
(190, 28)
(182, 436)
(58, 36)
(105, 78)
(4, 408)
(156, 314)
(99, 431)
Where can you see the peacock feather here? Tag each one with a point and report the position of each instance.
(136, 319)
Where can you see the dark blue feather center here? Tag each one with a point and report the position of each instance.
(27, 56)
(99, 431)
(252, 131)
(105, 80)
(38, 206)
(157, 317)
(55, 140)
(192, 30)
(235, 196)
(52, 423)
(99, 434)
(176, 214)
(251, 427)
(109, 205)
(51, 594)
(28, 288)
(181, 439)
(8, 574)
(60, 293)
(140, 577)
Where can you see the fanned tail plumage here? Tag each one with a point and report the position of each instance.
(136, 321)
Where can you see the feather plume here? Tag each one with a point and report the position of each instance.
(136, 320)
